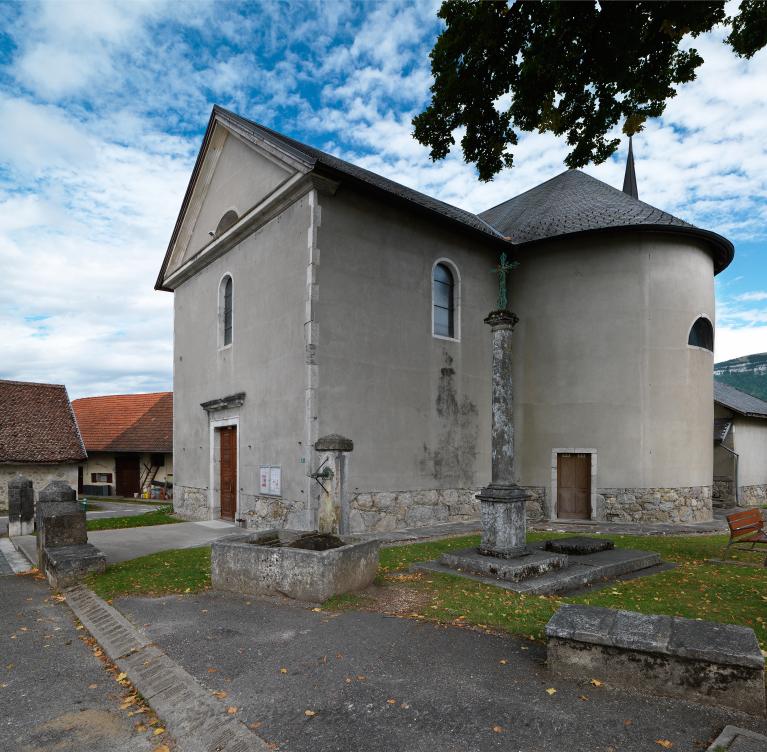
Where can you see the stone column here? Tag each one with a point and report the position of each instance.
(21, 506)
(332, 475)
(502, 503)
(60, 520)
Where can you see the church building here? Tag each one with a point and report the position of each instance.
(314, 298)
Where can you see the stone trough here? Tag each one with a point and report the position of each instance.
(700, 661)
(305, 566)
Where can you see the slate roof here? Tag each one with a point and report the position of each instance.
(37, 424)
(126, 422)
(739, 402)
(721, 429)
(574, 202)
(320, 159)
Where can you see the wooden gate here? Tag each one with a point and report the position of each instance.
(228, 480)
(574, 486)
(127, 475)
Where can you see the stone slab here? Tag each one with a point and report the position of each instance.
(579, 573)
(735, 739)
(578, 545)
(713, 664)
(64, 566)
(510, 570)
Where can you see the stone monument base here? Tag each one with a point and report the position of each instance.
(533, 564)
(541, 572)
(67, 565)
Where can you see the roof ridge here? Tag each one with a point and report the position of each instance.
(126, 394)
(32, 383)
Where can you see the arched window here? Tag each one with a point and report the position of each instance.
(225, 311)
(228, 220)
(702, 334)
(443, 301)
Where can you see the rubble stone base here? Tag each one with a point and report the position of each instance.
(191, 503)
(690, 504)
(752, 496)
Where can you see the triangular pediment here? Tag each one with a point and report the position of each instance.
(233, 175)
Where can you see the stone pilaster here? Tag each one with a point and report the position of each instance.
(504, 527)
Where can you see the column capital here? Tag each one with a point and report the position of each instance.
(501, 319)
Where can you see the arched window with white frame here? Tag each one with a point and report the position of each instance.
(445, 300)
(225, 318)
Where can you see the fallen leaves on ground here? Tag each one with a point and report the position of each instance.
(665, 743)
(232, 709)
(159, 730)
(283, 671)
(498, 729)
(310, 713)
(221, 694)
(162, 748)
(391, 701)
(551, 691)
(597, 682)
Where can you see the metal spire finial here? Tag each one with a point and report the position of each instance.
(630, 178)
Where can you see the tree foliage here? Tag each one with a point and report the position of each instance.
(570, 68)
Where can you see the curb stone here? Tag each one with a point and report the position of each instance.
(197, 721)
(738, 740)
(16, 561)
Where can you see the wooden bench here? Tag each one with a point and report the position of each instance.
(746, 531)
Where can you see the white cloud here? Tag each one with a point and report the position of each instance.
(102, 110)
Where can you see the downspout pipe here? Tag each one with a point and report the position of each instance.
(737, 458)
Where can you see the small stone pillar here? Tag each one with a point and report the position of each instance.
(332, 475)
(60, 519)
(502, 503)
(21, 506)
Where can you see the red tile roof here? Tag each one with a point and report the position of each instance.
(37, 424)
(126, 422)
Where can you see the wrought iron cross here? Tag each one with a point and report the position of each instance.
(503, 268)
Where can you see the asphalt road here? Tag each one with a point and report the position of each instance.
(377, 683)
(55, 695)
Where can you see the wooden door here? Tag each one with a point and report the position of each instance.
(127, 475)
(228, 480)
(574, 486)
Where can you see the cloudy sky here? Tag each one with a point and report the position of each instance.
(102, 110)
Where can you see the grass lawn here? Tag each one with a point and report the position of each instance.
(694, 589)
(160, 516)
(126, 500)
(181, 570)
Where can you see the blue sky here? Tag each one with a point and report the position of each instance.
(102, 110)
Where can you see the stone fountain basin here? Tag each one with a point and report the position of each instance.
(283, 562)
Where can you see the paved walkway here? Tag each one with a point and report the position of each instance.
(55, 695)
(130, 543)
(316, 681)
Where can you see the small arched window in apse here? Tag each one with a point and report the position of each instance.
(702, 334)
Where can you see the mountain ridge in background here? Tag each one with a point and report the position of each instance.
(747, 373)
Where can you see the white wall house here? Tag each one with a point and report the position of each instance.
(740, 448)
(129, 438)
(313, 297)
(39, 438)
